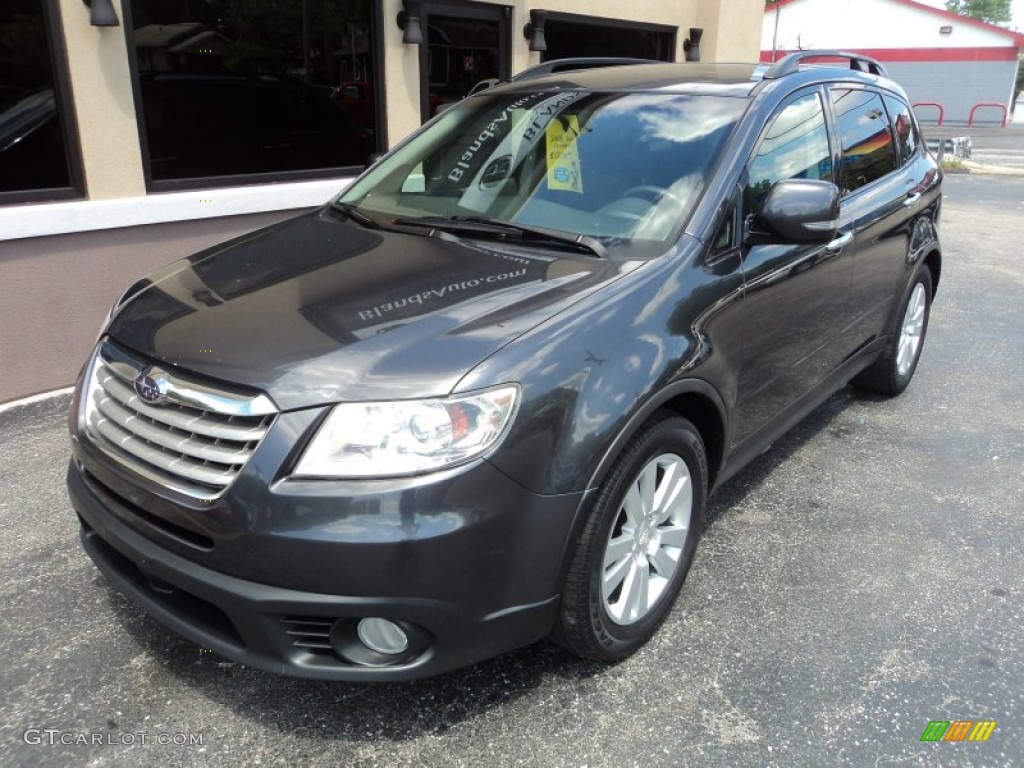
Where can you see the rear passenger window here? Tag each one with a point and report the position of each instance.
(865, 137)
(795, 147)
(903, 126)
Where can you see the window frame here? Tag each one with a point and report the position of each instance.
(248, 179)
(65, 114)
(833, 140)
(469, 9)
(904, 160)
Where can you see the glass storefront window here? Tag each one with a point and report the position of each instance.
(233, 88)
(569, 35)
(34, 157)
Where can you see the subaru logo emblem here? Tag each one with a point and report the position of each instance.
(148, 388)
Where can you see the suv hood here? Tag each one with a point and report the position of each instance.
(315, 310)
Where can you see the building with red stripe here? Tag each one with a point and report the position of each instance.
(954, 67)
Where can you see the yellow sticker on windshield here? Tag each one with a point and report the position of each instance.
(563, 160)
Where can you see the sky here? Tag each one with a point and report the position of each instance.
(1017, 8)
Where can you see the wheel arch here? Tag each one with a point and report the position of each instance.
(694, 400)
(934, 263)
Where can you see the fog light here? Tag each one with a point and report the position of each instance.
(382, 636)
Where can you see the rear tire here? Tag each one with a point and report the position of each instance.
(637, 543)
(891, 373)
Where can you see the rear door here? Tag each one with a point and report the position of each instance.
(878, 193)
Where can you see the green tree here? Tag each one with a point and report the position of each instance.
(992, 11)
(1019, 86)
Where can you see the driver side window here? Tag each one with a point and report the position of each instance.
(795, 147)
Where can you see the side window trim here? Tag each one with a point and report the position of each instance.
(834, 129)
(833, 141)
(795, 96)
(732, 208)
(888, 97)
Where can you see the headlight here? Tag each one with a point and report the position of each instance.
(406, 437)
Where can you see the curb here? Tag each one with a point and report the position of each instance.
(32, 399)
(991, 170)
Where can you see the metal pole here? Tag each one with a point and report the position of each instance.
(775, 34)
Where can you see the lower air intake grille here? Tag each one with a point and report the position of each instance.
(312, 633)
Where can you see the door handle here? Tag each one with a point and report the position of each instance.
(911, 199)
(840, 242)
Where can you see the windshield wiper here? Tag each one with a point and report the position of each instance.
(353, 213)
(500, 229)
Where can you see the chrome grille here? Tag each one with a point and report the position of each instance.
(195, 440)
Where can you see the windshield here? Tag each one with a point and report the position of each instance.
(618, 167)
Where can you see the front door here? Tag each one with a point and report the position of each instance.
(796, 295)
(466, 43)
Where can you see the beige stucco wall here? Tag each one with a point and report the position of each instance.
(732, 29)
(401, 77)
(104, 106)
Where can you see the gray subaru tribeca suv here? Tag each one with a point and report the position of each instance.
(482, 396)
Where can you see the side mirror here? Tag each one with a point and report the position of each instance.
(801, 211)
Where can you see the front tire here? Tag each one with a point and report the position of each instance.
(637, 543)
(891, 373)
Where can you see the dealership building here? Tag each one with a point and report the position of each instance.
(133, 132)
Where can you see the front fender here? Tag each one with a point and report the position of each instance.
(591, 376)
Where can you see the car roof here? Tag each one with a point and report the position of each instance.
(723, 79)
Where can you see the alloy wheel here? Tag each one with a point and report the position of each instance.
(911, 330)
(646, 541)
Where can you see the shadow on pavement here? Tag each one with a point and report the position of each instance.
(749, 479)
(347, 711)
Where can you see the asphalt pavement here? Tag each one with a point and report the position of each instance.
(859, 580)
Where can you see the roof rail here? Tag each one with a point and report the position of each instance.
(587, 62)
(791, 63)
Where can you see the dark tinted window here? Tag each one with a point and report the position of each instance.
(33, 155)
(903, 126)
(865, 137)
(594, 36)
(238, 88)
(795, 147)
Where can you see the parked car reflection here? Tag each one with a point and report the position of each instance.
(31, 145)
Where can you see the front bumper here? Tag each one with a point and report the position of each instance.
(483, 582)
